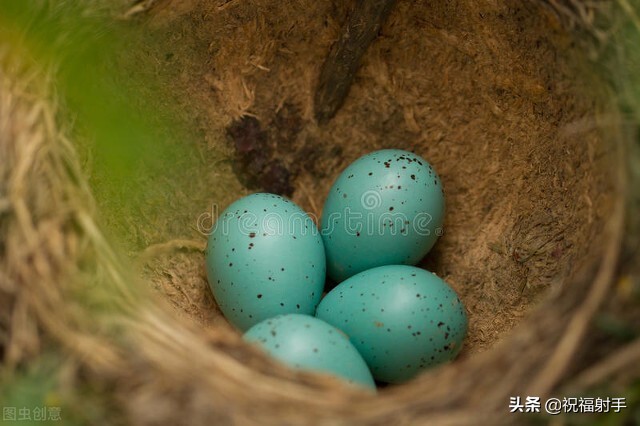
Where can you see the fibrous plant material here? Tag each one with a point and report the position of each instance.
(343, 60)
(533, 161)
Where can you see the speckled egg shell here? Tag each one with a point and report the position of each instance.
(265, 257)
(308, 343)
(386, 208)
(402, 319)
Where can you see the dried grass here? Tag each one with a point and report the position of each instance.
(536, 187)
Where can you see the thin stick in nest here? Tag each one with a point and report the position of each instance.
(343, 59)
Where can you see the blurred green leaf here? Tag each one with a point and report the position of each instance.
(111, 101)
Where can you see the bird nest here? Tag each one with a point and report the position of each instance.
(526, 137)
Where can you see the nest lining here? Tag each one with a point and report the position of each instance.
(478, 90)
(531, 237)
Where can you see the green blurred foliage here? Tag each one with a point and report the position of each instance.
(131, 142)
(28, 390)
(38, 391)
(81, 46)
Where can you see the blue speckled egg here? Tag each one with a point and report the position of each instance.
(308, 343)
(402, 319)
(264, 258)
(386, 208)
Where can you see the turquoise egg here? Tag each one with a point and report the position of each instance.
(386, 208)
(264, 258)
(308, 343)
(402, 319)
